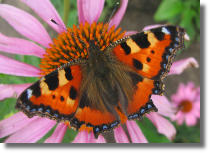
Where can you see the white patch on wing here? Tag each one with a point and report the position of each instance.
(165, 30)
(29, 93)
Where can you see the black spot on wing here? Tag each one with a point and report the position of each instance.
(23, 96)
(126, 48)
(158, 29)
(36, 89)
(148, 59)
(52, 80)
(84, 101)
(135, 78)
(142, 41)
(62, 98)
(72, 93)
(159, 35)
(137, 64)
(171, 28)
(68, 74)
(152, 51)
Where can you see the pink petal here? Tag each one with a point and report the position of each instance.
(193, 89)
(190, 84)
(85, 137)
(186, 37)
(163, 125)
(13, 67)
(130, 33)
(89, 10)
(165, 107)
(12, 90)
(119, 14)
(46, 11)
(135, 132)
(180, 116)
(197, 105)
(91, 139)
(32, 132)
(190, 94)
(14, 123)
(20, 46)
(196, 109)
(179, 66)
(198, 94)
(151, 26)
(25, 24)
(120, 136)
(197, 114)
(176, 100)
(177, 116)
(100, 139)
(190, 120)
(81, 16)
(179, 95)
(58, 134)
(82, 137)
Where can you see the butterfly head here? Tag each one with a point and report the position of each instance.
(97, 60)
(93, 48)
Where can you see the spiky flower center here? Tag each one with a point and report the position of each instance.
(185, 106)
(68, 47)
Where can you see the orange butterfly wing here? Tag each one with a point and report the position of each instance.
(54, 96)
(150, 54)
(102, 120)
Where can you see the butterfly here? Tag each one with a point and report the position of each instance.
(96, 90)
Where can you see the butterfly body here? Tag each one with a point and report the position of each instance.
(97, 90)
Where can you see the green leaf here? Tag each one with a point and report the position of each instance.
(69, 136)
(32, 60)
(197, 20)
(187, 134)
(168, 9)
(73, 15)
(187, 16)
(11, 79)
(73, 18)
(19, 57)
(111, 3)
(7, 108)
(187, 22)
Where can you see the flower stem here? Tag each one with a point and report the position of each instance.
(66, 11)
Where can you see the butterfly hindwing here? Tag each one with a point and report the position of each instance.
(100, 120)
(55, 95)
(150, 54)
(141, 103)
(95, 107)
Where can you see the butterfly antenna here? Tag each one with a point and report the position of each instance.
(109, 20)
(67, 31)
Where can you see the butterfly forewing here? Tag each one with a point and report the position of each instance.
(150, 54)
(55, 96)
